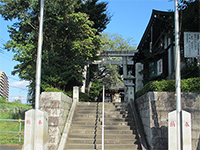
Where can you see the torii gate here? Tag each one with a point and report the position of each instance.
(128, 78)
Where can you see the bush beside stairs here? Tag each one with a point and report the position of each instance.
(86, 129)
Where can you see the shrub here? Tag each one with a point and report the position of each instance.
(187, 85)
(83, 97)
(52, 90)
(2, 99)
(95, 89)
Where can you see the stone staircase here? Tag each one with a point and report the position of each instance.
(86, 129)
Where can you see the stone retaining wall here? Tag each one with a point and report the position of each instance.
(154, 107)
(57, 105)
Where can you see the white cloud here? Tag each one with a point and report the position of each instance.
(23, 99)
(20, 83)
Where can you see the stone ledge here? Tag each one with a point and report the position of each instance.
(154, 107)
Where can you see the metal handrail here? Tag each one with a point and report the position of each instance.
(20, 127)
(103, 118)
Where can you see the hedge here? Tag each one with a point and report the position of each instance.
(187, 85)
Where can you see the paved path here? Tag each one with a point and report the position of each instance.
(8, 147)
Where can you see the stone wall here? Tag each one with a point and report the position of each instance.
(57, 105)
(154, 107)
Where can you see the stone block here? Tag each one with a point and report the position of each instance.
(160, 103)
(146, 121)
(49, 104)
(156, 132)
(52, 146)
(62, 121)
(57, 105)
(53, 139)
(54, 112)
(54, 130)
(147, 131)
(53, 121)
(164, 132)
(160, 143)
(146, 105)
(51, 96)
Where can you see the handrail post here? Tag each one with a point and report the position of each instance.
(103, 117)
(20, 129)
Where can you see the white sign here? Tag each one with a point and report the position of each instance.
(159, 67)
(191, 44)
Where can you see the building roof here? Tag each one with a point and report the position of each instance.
(158, 24)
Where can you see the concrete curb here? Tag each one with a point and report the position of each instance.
(67, 127)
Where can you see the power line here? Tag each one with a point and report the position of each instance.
(2, 40)
(13, 78)
(6, 57)
(18, 88)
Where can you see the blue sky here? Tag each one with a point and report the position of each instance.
(130, 18)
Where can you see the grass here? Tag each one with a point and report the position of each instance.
(12, 138)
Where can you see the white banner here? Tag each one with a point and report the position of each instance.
(191, 44)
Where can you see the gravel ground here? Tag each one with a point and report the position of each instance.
(9, 147)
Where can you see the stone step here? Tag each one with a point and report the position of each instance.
(110, 110)
(99, 141)
(107, 117)
(86, 128)
(99, 136)
(107, 127)
(99, 104)
(99, 146)
(84, 131)
(93, 122)
(100, 119)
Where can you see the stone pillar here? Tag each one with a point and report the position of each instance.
(130, 93)
(85, 79)
(124, 62)
(57, 105)
(41, 132)
(172, 130)
(29, 130)
(76, 93)
(138, 76)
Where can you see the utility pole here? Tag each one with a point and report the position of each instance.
(179, 121)
(178, 77)
(38, 67)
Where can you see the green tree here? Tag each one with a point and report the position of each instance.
(97, 12)
(110, 74)
(69, 42)
(189, 22)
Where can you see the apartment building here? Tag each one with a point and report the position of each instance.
(4, 85)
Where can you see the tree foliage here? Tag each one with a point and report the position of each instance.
(189, 22)
(109, 74)
(97, 13)
(69, 40)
